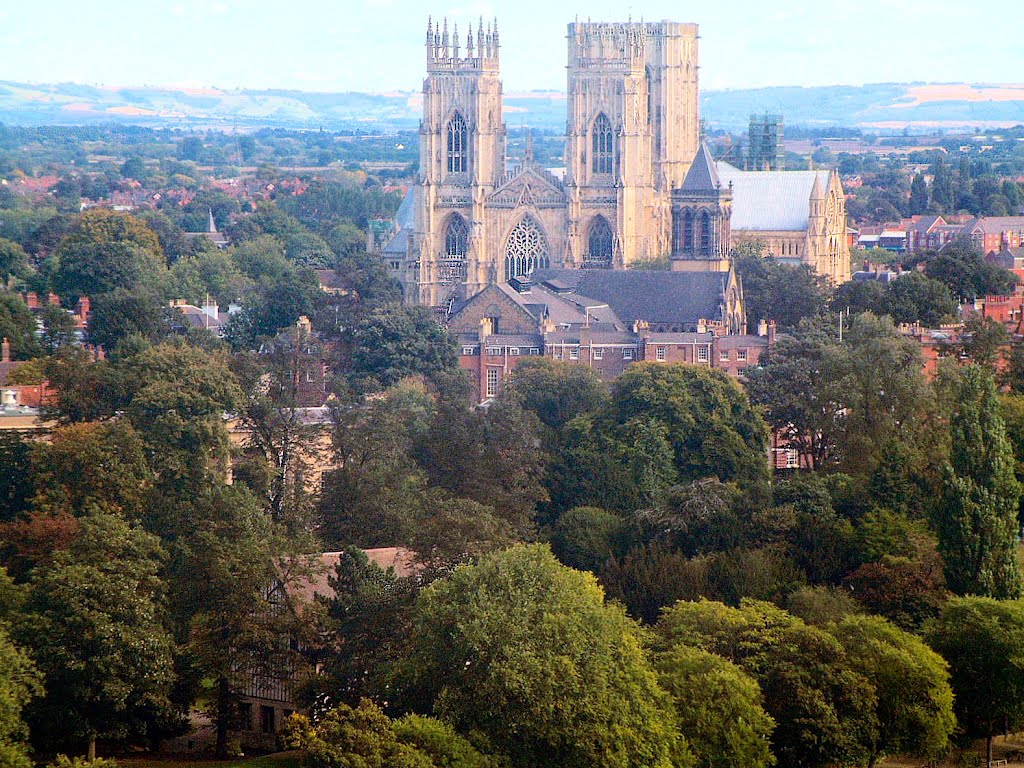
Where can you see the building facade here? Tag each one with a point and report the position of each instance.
(632, 131)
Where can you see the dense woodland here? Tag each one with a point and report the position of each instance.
(607, 574)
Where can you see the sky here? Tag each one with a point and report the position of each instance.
(377, 45)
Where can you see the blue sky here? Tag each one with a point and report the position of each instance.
(377, 45)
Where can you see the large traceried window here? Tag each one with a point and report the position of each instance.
(526, 249)
(458, 145)
(453, 263)
(599, 245)
(603, 145)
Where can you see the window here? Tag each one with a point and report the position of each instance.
(688, 230)
(723, 355)
(627, 354)
(245, 715)
(702, 354)
(559, 355)
(603, 146)
(659, 354)
(310, 376)
(599, 244)
(458, 141)
(534, 350)
(494, 351)
(267, 720)
(574, 353)
(492, 382)
(792, 458)
(468, 351)
(598, 354)
(453, 263)
(741, 355)
(705, 233)
(514, 351)
(526, 249)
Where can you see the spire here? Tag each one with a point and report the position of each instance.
(528, 152)
(494, 53)
(469, 42)
(703, 175)
(480, 39)
(430, 30)
(445, 43)
(817, 191)
(455, 43)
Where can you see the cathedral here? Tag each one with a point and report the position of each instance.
(632, 135)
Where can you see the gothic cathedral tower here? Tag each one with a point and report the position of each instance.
(462, 161)
(632, 131)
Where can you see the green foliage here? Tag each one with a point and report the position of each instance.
(17, 326)
(20, 682)
(977, 517)
(104, 588)
(983, 642)
(718, 707)
(964, 270)
(824, 709)
(15, 475)
(347, 737)
(439, 742)
(557, 392)
(525, 651)
(395, 342)
(585, 537)
(820, 606)
(63, 761)
(777, 291)
(13, 260)
(710, 425)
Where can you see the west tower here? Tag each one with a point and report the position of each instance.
(632, 130)
(462, 161)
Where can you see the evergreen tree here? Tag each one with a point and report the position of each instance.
(918, 195)
(977, 518)
(942, 186)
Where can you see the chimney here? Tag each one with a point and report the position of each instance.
(762, 328)
(5, 351)
(8, 398)
(53, 300)
(771, 334)
(84, 307)
(32, 300)
(304, 325)
(211, 309)
(486, 327)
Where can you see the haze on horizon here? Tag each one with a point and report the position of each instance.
(377, 45)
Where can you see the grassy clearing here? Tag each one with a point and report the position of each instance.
(279, 760)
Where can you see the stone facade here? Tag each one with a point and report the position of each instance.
(632, 132)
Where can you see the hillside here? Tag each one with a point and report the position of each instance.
(889, 106)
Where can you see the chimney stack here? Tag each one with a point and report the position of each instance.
(5, 351)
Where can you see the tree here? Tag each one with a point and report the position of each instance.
(985, 340)
(96, 626)
(823, 708)
(58, 328)
(918, 195)
(18, 326)
(983, 642)
(777, 291)
(942, 186)
(915, 298)
(120, 313)
(356, 737)
(977, 517)
(525, 651)
(718, 707)
(15, 475)
(556, 391)
(13, 260)
(914, 701)
(440, 742)
(585, 537)
(20, 682)
(710, 424)
(650, 577)
(395, 342)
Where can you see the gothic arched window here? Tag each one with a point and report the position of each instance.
(603, 145)
(526, 249)
(599, 244)
(705, 233)
(688, 230)
(458, 145)
(453, 262)
(455, 238)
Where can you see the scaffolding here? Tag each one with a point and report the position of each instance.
(766, 152)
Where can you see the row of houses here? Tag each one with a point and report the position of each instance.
(990, 234)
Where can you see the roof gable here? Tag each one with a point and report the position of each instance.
(530, 186)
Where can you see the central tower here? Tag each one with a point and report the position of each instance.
(632, 130)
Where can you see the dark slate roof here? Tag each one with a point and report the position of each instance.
(702, 176)
(651, 295)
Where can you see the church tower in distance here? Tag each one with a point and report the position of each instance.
(462, 161)
(633, 129)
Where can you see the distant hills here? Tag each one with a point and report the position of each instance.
(888, 106)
